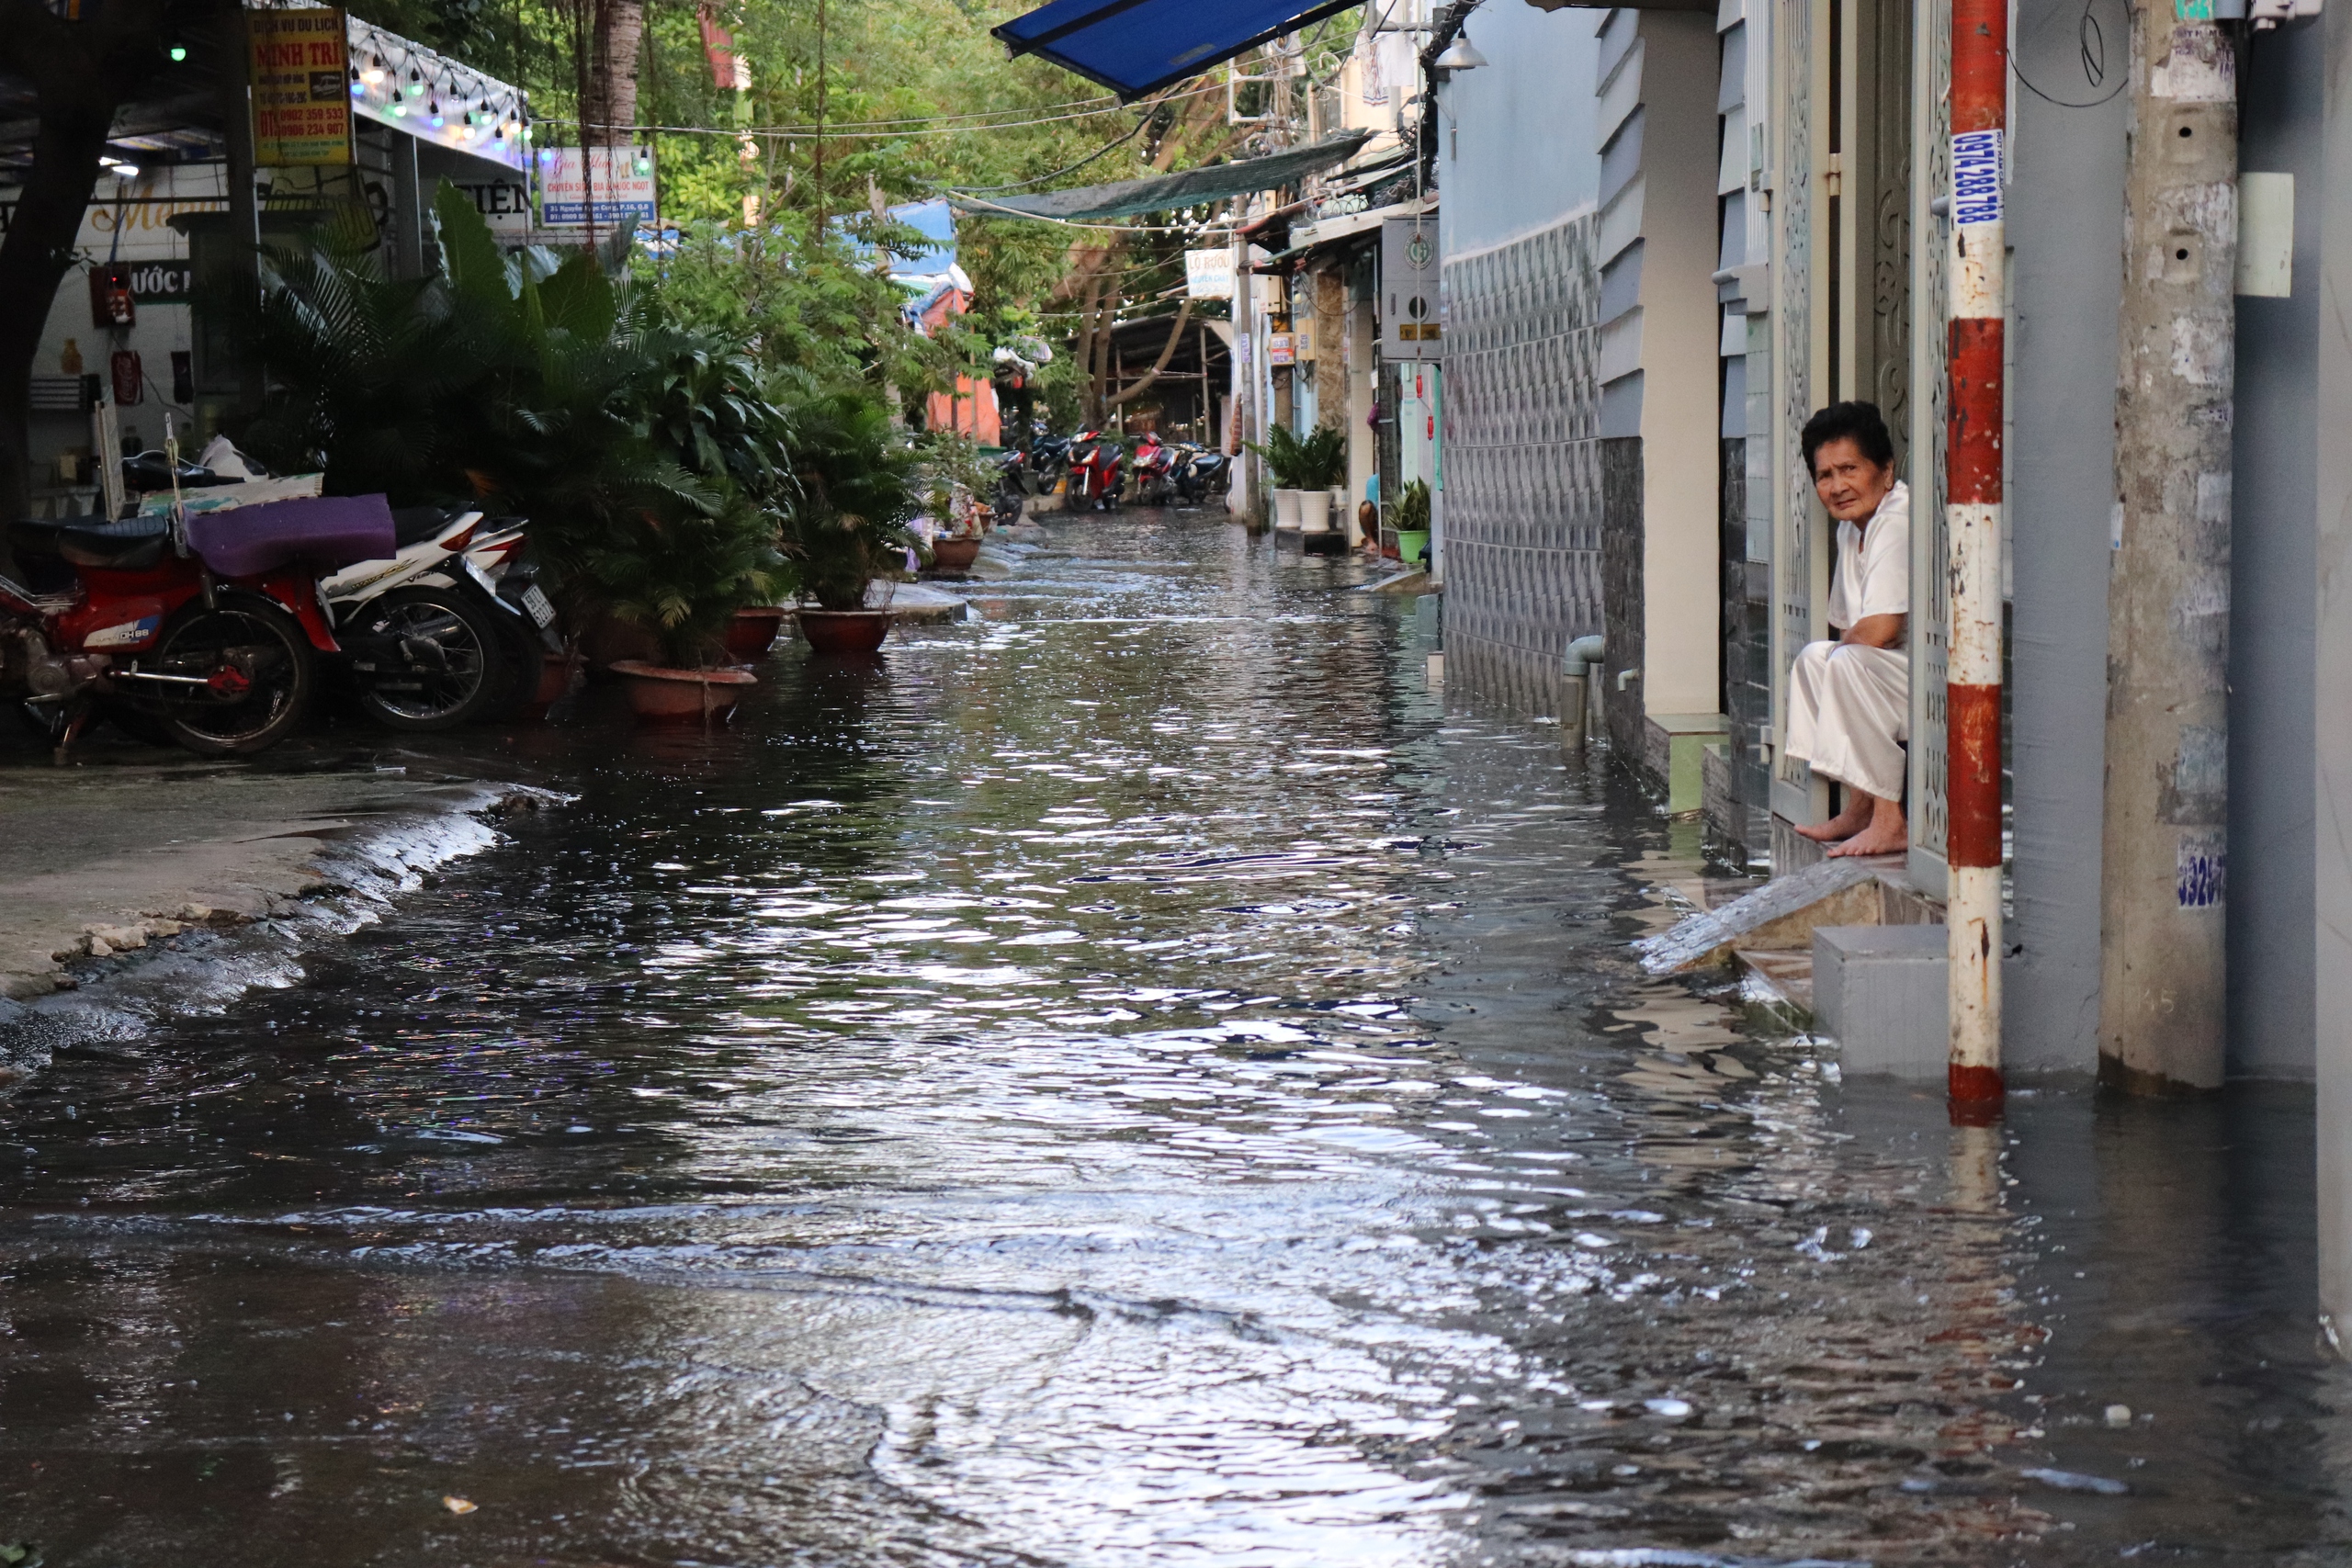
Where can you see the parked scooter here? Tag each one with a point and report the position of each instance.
(1155, 470)
(1094, 470)
(433, 642)
(190, 630)
(1201, 474)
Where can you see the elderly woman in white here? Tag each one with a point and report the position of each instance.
(1850, 700)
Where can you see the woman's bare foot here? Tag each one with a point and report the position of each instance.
(1846, 824)
(1887, 833)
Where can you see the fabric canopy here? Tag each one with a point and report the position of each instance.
(1134, 47)
(1124, 199)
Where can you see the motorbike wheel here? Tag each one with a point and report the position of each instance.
(259, 672)
(444, 664)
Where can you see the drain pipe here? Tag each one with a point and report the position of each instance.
(1575, 680)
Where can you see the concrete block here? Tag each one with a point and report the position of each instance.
(1880, 991)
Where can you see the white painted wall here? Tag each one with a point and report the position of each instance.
(1515, 140)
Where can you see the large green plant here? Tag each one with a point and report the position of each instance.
(1317, 461)
(652, 466)
(848, 526)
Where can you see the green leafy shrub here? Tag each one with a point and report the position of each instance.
(848, 526)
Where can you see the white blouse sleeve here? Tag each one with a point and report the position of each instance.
(1886, 560)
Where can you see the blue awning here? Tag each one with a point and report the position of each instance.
(1134, 47)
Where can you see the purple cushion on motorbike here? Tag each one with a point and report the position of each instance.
(325, 531)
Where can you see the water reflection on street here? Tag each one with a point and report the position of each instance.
(1137, 1078)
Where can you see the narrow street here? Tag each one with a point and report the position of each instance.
(1134, 1079)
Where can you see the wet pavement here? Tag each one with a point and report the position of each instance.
(1136, 1079)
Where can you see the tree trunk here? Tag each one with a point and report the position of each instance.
(608, 110)
(1166, 352)
(80, 75)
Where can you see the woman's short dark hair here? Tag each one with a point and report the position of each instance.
(1860, 423)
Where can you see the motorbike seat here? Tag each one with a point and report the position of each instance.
(324, 532)
(414, 524)
(130, 544)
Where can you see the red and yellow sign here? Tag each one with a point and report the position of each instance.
(302, 74)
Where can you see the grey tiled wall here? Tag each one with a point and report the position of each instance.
(1522, 463)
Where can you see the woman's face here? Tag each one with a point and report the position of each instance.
(1849, 484)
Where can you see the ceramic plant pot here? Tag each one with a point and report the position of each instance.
(845, 631)
(1286, 509)
(954, 555)
(1315, 512)
(752, 631)
(661, 695)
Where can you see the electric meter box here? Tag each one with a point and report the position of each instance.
(1410, 313)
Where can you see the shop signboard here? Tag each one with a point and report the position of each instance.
(618, 180)
(1208, 275)
(1410, 316)
(299, 71)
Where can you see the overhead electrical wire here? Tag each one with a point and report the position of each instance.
(811, 133)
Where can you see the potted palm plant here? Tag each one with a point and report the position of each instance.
(680, 579)
(1282, 452)
(847, 528)
(954, 478)
(1413, 524)
(1322, 469)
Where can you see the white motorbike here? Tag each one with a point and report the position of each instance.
(449, 629)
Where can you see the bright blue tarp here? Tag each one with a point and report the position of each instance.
(1134, 47)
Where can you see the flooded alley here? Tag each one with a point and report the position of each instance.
(1138, 1077)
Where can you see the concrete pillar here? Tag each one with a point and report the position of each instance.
(2331, 655)
(2162, 972)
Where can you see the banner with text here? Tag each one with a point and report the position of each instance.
(300, 72)
(619, 180)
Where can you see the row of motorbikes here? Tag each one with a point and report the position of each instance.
(209, 621)
(1102, 474)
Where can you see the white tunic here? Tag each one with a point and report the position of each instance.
(1850, 707)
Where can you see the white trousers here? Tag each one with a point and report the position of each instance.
(1849, 707)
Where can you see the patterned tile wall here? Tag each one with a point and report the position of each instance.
(1522, 461)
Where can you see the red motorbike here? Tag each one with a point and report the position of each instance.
(1155, 471)
(196, 631)
(1094, 468)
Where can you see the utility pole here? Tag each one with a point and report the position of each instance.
(1242, 487)
(2163, 856)
(1972, 520)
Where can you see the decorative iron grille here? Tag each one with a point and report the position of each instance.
(1522, 457)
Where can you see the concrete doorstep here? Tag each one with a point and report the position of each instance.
(1851, 942)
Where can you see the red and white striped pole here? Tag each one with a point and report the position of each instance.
(1973, 518)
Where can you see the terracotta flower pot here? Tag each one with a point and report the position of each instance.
(682, 697)
(845, 631)
(954, 555)
(611, 639)
(555, 679)
(752, 631)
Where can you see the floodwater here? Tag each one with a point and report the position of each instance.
(1139, 1078)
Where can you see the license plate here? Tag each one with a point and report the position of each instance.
(536, 603)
